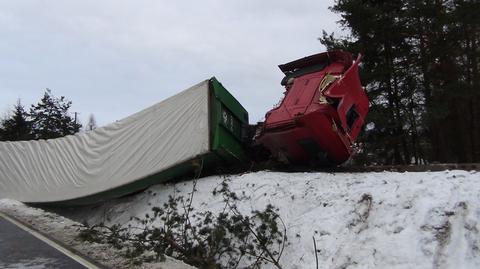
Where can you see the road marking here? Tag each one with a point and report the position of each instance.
(51, 243)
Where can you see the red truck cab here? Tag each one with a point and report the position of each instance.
(321, 114)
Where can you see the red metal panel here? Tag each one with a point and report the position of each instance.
(351, 94)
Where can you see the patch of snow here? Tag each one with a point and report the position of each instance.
(370, 126)
(36, 263)
(358, 220)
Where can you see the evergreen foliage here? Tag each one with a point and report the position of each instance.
(17, 126)
(421, 71)
(50, 117)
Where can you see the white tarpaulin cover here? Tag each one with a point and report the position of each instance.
(148, 142)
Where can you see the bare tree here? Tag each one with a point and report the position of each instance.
(92, 123)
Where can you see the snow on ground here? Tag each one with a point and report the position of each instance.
(413, 220)
(35, 263)
(65, 231)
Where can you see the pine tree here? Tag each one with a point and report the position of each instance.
(421, 71)
(51, 119)
(377, 31)
(16, 127)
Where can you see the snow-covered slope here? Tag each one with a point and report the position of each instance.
(413, 220)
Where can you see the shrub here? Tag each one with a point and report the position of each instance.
(227, 239)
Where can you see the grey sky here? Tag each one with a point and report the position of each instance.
(113, 58)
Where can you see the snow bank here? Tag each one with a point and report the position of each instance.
(413, 220)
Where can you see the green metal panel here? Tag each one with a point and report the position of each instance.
(227, 120)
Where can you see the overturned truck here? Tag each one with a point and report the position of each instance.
(196, 130)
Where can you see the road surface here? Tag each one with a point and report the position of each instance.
(21, 247)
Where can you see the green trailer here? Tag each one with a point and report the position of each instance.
(196, 130)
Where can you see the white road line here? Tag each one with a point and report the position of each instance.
(58, 247)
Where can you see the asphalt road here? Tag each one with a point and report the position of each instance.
(20, 249)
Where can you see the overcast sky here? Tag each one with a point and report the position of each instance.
(113, 58)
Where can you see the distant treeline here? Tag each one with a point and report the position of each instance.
(49, 118)
(421, 72)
